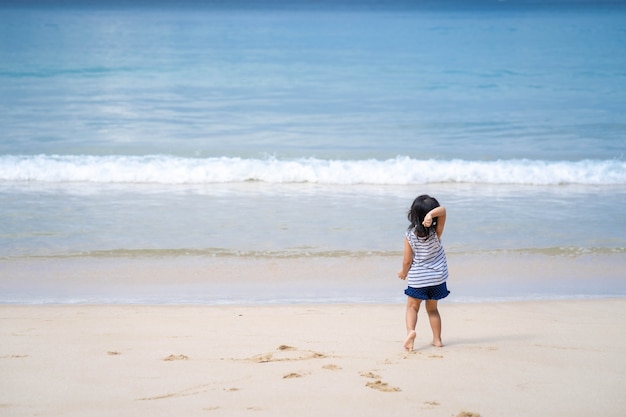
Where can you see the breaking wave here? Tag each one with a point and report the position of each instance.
(402, 170)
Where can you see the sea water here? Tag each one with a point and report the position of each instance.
(303, 130)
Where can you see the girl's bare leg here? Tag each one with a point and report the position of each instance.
(435, 321)
(412, 308)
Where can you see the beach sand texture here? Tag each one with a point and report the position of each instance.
(552, 358)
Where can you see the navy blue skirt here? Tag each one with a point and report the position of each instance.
(436, 292)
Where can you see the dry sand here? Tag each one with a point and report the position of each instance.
(553, 358)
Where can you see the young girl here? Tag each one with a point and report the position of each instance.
(424, 265)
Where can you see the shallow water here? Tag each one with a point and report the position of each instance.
(295, 132)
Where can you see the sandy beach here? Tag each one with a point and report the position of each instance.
(552, 358)
(204, 206)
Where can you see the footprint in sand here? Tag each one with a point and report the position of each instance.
(378, 384)
(287, 353)
(382, 386)
(331, 367)
(176, 358)
(467, 414)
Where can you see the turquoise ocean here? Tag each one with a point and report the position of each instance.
(261, 133)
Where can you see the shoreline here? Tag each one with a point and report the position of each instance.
(513, 358)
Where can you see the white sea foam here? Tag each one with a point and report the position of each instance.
(163, 169)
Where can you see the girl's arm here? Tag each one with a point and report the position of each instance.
(407, 260)
(440, 214)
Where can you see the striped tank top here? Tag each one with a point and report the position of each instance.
(429, 261)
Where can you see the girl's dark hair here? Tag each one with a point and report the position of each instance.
(419, 209)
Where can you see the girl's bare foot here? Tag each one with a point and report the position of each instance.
(437, 343)
(410, 341)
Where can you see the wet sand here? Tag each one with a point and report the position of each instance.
(368, 278)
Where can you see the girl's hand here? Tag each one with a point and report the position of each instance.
(401, 275)
(428, 220)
